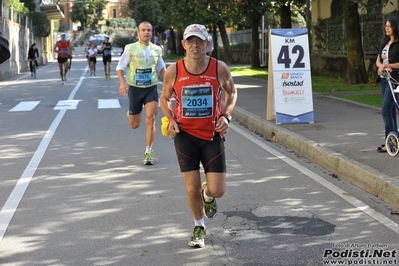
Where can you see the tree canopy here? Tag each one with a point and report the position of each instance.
(88, 12)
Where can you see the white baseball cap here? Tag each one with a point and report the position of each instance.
(196, 30)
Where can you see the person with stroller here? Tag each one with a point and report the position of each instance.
(388, 60)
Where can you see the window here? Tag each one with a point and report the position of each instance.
(114, 13)
(336, 8)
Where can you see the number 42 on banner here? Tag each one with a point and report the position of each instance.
(289, 82)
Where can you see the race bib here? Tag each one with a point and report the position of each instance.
(197, 101)
(64, 51)
(143, 76)
(107, 52)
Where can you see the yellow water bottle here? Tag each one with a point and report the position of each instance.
(165, 125)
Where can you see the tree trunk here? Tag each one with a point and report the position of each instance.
(172, 44)
(356, 70)
(215, 41)
(179, 48)
(254, 52)
(226, 42)
(285, 16)
(83, 25)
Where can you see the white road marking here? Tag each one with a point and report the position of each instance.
(341, 193)
(66, 105)
(25, 106)
(108, 103)
(11, 205)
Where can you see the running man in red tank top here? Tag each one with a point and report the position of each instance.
(198, 123)
(62, 48)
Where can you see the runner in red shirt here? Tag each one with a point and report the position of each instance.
(198, 123)
(62, 47)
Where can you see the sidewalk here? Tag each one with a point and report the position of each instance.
(343, 138)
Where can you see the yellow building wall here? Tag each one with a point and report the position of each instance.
(320, 9)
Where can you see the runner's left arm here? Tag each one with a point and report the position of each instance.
(161, 67)
(227, 83)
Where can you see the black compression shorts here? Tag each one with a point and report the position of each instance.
(192, 151)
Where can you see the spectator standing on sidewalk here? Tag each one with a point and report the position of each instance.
(388, 59)
(144, 62)
(198, 124)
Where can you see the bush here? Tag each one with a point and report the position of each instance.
(119, 41)
(39, 19)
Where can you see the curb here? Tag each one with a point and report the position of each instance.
(357, 174)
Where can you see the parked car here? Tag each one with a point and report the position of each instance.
(98, 39)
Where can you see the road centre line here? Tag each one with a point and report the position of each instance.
(333, 188)
(13, 200)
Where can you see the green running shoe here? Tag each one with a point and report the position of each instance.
(148, 159)
(197, 240)
(210, 207)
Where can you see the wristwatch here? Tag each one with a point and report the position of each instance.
(228, 117)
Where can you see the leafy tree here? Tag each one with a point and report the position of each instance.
(81, 13)
(181, 13)
(29, 4)
(219, 14)
(175, 16)
(98, 6)
(88, 12)
(16, 5)
(147, 11)
(40, 20)
(254, 9)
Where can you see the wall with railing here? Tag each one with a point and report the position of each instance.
(18, 30)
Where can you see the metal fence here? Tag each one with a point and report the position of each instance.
(330, 38)
(240, 41)
(326, 37)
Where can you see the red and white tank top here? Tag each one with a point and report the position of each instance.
(198, 100)
(63, 49)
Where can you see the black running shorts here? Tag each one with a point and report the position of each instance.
(138, 97)
(106, 59)
(62, 59)
(192, 151)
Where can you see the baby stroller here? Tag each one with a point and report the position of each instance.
(392, 140)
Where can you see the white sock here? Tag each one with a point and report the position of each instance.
(207, 198)
(148, 149)
(200, 222)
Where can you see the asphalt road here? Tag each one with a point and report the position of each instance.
(74, 191)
